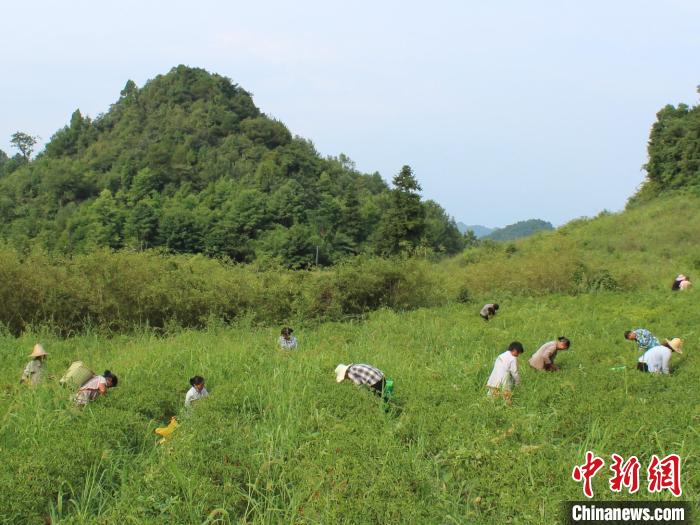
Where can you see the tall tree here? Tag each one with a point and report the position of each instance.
(441, 232)
(403, 223)
(24, 143)
(3, 160)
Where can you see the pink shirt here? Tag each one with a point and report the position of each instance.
(94, 383)
(90, 390)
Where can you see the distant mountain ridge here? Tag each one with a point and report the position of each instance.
(507, 233)
(519, 229)
(479, 230)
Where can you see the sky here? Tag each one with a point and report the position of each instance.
(505, 110)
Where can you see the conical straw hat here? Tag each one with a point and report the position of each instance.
(340, 371)
(38, 351)
(675, 344)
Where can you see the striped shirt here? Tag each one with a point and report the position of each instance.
(364, 374)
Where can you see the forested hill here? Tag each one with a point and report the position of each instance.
(673, 153)
(519, 229)
(189, 164)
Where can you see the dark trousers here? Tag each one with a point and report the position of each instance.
(378, 387)
(642, 367)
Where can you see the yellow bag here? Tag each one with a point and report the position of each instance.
(165, 432)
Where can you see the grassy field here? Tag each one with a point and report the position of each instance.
(278, 441)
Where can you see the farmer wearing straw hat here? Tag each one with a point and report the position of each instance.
(34, 371)
(656, 360)
(361, 374)
(682, 282)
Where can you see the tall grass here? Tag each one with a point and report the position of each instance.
(641, 249)
(278, 441)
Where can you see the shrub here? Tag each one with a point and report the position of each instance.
(464, 296)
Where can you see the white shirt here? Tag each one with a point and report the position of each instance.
(194, 395)
(505, 371)
(657, 359)
(485, 310)
(288, 344)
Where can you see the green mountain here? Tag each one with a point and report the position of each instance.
(673, 153)
(188, 164)
(636, 251)
(519, 229)
(479, 230)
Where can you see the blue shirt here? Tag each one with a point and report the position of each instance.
(645, 340)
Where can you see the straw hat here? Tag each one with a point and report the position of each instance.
(38, 351)
(340, 372)
(675, 344)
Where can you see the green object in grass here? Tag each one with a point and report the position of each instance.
(617, 368)
(388, 389)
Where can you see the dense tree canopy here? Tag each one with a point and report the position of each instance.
(673, 152)
(189, 164)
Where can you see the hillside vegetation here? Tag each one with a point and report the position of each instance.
(189, 164)
(640, 249)
(278, 441)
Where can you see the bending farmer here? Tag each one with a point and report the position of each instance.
(543, 359)
(656, 360)
(286, 340)
(643, 337)
(197, 391)
(95, 387)
(488, 311)
(505, 372)
(35, 370)
(361, 374)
